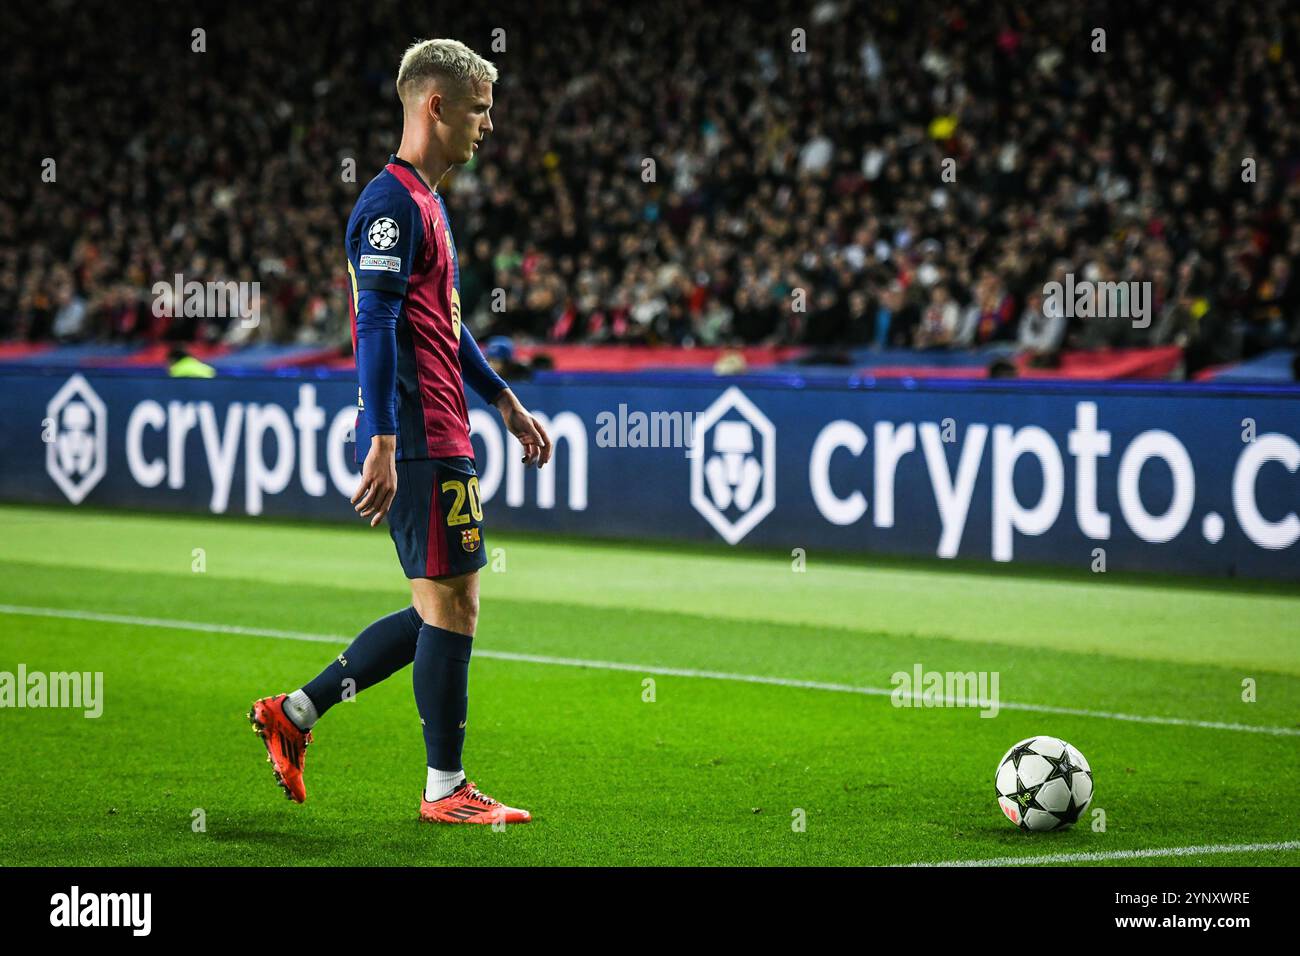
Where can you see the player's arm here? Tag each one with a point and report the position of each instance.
(491, 387)
(476, 371)
(377, 312)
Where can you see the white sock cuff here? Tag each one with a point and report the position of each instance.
(441, 783)
(301, 710)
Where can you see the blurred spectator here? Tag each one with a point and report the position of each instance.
(1041, 331)
(938, 325)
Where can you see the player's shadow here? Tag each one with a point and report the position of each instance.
(293, 839)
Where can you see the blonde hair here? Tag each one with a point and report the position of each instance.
(451, 60)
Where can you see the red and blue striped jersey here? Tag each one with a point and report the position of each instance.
(399, 241)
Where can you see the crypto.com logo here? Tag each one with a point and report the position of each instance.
(76, 451)
(726, 477)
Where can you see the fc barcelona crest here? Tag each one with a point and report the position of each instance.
(469, 539)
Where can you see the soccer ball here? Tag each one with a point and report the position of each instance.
(1043, 783)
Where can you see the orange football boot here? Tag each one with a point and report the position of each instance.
(466, 805)
(286, 745)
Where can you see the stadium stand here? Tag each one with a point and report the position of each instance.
(775, 171)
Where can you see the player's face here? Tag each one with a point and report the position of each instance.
(468, 120)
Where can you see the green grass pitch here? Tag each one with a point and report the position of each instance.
(715, 770)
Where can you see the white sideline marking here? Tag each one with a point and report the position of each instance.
(1121, 854)
(635, 668)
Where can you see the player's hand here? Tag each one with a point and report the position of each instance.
(374, 496)
(529, 431)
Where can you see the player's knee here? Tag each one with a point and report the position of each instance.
(453, 607)
(463, 610)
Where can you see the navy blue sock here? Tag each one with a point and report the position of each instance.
(383, 648)
(441, 677)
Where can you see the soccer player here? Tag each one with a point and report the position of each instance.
(413, 431)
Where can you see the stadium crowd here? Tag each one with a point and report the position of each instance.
(780, 178)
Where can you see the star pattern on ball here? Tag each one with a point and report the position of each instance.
(1020, 751)
(1061, 766)
(1070, 814)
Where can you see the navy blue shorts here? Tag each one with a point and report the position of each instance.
(437, 518)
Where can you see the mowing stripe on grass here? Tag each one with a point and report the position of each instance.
(1121, 855)
(635, 668)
